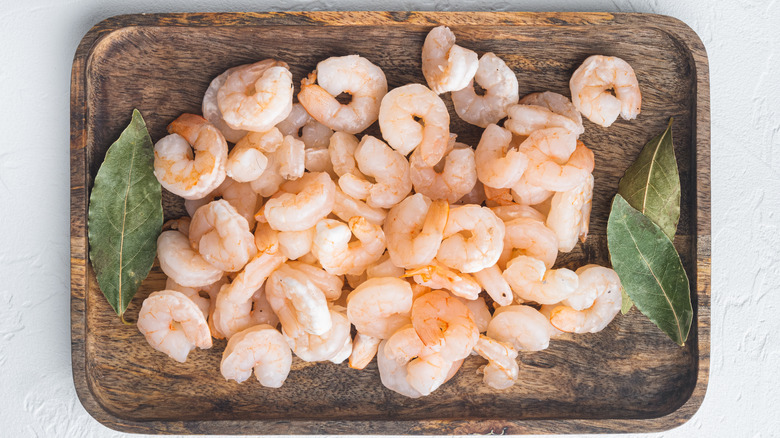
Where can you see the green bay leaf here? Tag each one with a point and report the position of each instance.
(650, 269)
(125, 215)
(652, 183)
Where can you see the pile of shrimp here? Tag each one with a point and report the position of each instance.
(433, 250)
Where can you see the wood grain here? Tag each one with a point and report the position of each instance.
(629, 377)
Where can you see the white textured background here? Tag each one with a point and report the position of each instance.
(39, 37)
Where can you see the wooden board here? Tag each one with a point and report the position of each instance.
(629, 377)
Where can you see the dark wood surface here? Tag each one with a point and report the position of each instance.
(629, 377)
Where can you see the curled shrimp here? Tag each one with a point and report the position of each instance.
(475, 196)
(514, 211)
(525, 193)
(593, 306)
(301, 126)
(480, 312)
(352, 74)
(524, 119)
(291, 158)
(414, 230)
(456, 178)
(318, 160)
(294, 244)
(501, 371)
(495, 285)
(590, 85)
(441, 319)
(384, 267)
(298, 302)
(239, 195)
(255, 97)
(569, 215)
(501, 90)
(182, 263)
(447, 66)
(380, 306)
(338, 255)
(557, 175)
(473, 239)
(192, 293)
(527, 236)
(260, 348)
(327, 346)
(400, 129)
(330, 285)
(393, 373)
(173, 324)
(174, 165)
(364, 348)
(249, 157)
(522, 327)
(346, 207)
(211, 111)
(221, 235)
(499, 165)
(437, 276)
(304, 203)
(557, 103)
(269, 182)
(530, 281)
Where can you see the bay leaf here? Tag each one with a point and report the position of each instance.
(125, 215)
(650, 269)
(652, 183)
(627, 304)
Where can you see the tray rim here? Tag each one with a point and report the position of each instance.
(675, 28)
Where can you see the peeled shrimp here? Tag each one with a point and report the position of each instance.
(268, 183)
(526, 236)
(557, 103)
(384, 267)
(414, 230)
(291, 158)
(437, 276)
(364, 348)
(299, 303)
(380, 306)
(301, 126)
(498, 165)
(400, 129)
(239, 195)
(248, 159)
(441, 319)
(525, 193)
(294, 244)
(211, 111)
(337, 255)
(455, 180)
(522, 327)
(557, 175)
(174, 165)
(255, 97)
(473, 239)
(304, 203)
(569, 215)
(497, 197)
(346, 207)
(313, 348)
(260, 348)
(221, 235)
(475, 196)
(501, 371)
(480, 312)
(447, 66)
(330, 285)
(513, 211)
(495, 284)
(191, 293)
(501, 90)
(182, 263)
(590, 85)
(532, 282)
(593, 306)
(262, 312)
(173, 324)
(525, 119)
(393, 374)
(352, 74)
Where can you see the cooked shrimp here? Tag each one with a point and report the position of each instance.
(393, 374)
(341, 147)
(532, 282)
(501, 371)
(301, 126)
(557, 103)
(522, 327)
(380, 306)
(556, 175)
(291, 158)
(313, 348)
(174, 165)
(427, 373)
(480, 312)
(590, 85)
(262, 312)
(239, 195)
(173, 324)
(495, 285)
(337, 255)
(498, 165)
(569, 215)
(255, 97)
(455, 180)
(441, 319)
(346, 207)
(400, 129)
(352, 74)
(526, 236)
(501, 90)
(473, 239)
(221, 235)
(247, 162)
(304, 203)
(513, 211)
(294, 244)
(260, 348)
(268, 183)
(414, 229)
(318, 160)
(182, 263)
(344, 353)
(424, 368)
(437, 276)
(299, 303)
(594, 280)
(331, 285)
(524, 119)
(191, 293)
(364, 348)
(211, 111)
(384, 267)
(525, 193)
(475, 196)
(497, 197)
(447, 66)
(388, 168)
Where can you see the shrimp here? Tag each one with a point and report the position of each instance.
(590, 85)
(473, 239)
(299, 303)
(552, 174)
(498, 165)
(269, 182)
(174, 166)
(403, 133)
(239, 195)
(173, 324)
(441, 319)
(524, 119)
(255, 97)
(501, 90)
(262, 312)
(393, 374)
(341, 147)
(221, 235)
(495, 285)
(445, 65)
(306, 201)
(291, 158)
(480, 312)
(475, 196)
(526, 236)
(337, 255)
(530, 281)
(522, 327)
(318, 160)
(389, 169)
(260, 348)
(455, 180)
(182, 263)
(181, 224)
(593, 306)
(211, 111)
(191, 293)
(380, 306)
(427, 373)
(525, 193)
(327, 346)
(513, 211)
(501, 371)
(384, 267)
(249, 157)
(346, 207)
(414, 229)
(301, 126)
(557, 103)
(352, 74)
(364, 348)
(437, 276)
(294, 244)
(330, 285)
(497, 197)
(569, 215)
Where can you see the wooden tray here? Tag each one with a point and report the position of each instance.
(629, 377)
